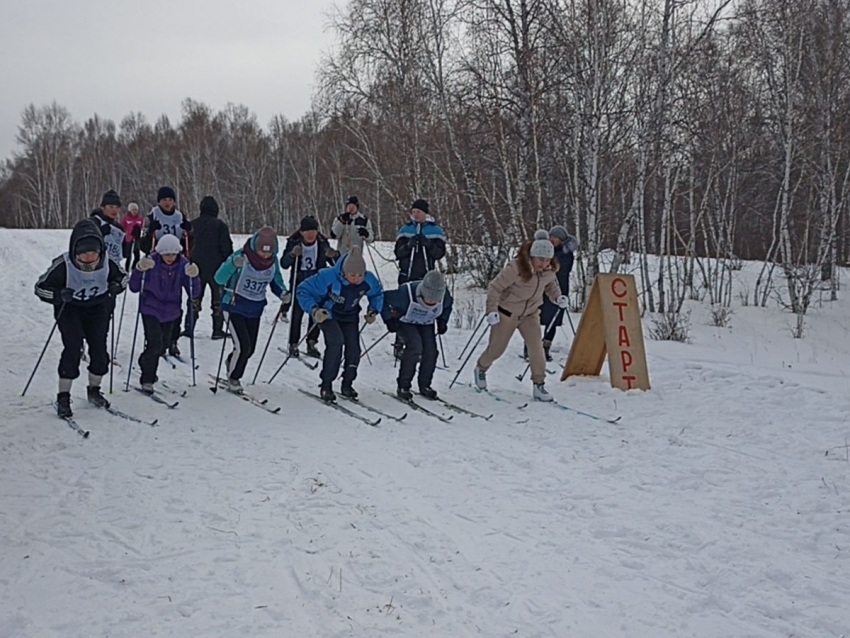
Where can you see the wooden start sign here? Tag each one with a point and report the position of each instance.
(610, 323)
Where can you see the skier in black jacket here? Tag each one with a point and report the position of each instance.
(211, 246)
(82, 284)
(307, 252)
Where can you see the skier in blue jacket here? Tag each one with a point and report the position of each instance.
(332, 298)
(245, 276)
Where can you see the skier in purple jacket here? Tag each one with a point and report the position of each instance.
(160, 280)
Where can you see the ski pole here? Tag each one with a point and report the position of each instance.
(571, 323)
(381, 338)
(471, 337)
(112, 351)
(120, 320)
(288, 357)
(520, 377)
(44, 349)
(363, 343)
(374, 265)
(221, 356)
(468, 356)
(135, 333)
(192, 332)
(268, 343)
(442, 350)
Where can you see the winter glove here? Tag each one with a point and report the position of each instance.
(65, 295)
(297, 251)
(493, 318)
(115, 288)
(239, 261)
(154, 226)
(319, 315)
(424, 242)
(345, 218)
(442, 327)
(392, 324)
(330, 253)
(145, 263)
(284, 309)
(186, 226)
(563, 301)
(363, 232)
(371, 315)
(136, 232)
(191, 270)
(105, 230)
(286, 298)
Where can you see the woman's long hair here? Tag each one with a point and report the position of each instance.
(523, 260)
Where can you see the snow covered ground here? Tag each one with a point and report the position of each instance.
(718, 506)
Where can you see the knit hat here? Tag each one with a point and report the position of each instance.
(309, 223)
(90, 244)
(168, 245)
(165, 191)
(110, 198)
(353, 200)
(354, 263)
(133, 207)
(209, 206)
(542, 247)
(265, 240)
(432, 287)
(421, 204)
(560, 232)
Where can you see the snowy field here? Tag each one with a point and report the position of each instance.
(719, 505)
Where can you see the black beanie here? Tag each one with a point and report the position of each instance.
(110, 198)
(88, 244)
(165, 191)
(353, 200)
(309, 223)
(421, 204)
(209, 206)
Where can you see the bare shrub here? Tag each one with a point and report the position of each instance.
(721, 316)
(671, 326)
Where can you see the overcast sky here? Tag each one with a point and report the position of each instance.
(116, 56)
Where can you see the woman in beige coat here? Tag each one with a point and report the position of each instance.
(514, 298)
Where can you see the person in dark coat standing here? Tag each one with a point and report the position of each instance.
(307, 252)
(211, 246)
(420, 244)
(565, 247)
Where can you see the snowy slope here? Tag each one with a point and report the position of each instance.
(718, 506)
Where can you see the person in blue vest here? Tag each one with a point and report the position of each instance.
(413, 311)
(82, 284)
(245, 277)
(332, 298)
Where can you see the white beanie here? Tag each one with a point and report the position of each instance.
(542, 247)
(168, 245)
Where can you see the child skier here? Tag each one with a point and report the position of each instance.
(513, 302)
(332, 297)
(245, 276)
(160, 279)
(82, 284)
(411, 311)
(307, 252)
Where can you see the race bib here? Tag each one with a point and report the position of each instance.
(86, 285)
(252, 283)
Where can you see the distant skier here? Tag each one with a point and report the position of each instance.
(412, 311)
(332, 297)
(245, 276)
(513, 303)
(160, 279)
(565, 247)
(307, 252)
(132, 223)
(352, 228)
(82, 284)
(211, 246)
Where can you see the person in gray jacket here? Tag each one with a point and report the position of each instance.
(352, 228)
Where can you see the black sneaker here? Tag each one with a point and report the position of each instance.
(404, 393)
(293, 351)
(428, 393)
(96, 397)
(173, 350)
(349, 392)
(63, 405)
(327, 394)
(312, 350)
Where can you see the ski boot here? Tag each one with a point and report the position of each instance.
(147, 388)
(312, 350)
(173, 350)
(219, 334)
(63, 405)
(547, 345)
(404, 393)
(326, 392)
(349, 392)
(540, 393)
(96, 397)
(480, 377)
(428, 392)
(293, 351)
(234, 386)
(525, 352)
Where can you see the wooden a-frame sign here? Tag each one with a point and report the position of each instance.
(610, 324)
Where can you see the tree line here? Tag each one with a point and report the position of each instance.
(688, 129)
